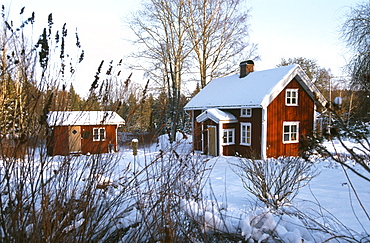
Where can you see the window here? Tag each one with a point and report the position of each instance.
(228, 137)
(290, 132)
(246, 112)
(291, 97)
(99, 134)
(246, 133)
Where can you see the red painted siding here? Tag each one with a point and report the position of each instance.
(97, 147)
(197, 131)
(230, 150)
(58, 142)
(278, 112)
(200, 134)
(254, 150)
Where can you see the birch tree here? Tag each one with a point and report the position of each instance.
(356, 34)
(159, 27)
(176, 37)
(219, 35)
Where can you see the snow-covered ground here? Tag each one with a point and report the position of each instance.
(328, 195)
(328, 201)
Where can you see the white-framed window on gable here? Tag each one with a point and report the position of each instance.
(290, 132)
(291, 97)
(245, 133)
(246, 112)
(99, 134)
(228, 136)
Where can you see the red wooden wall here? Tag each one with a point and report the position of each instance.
(197, 131)
(200, 134)
(58, 143)
(278, 112)
(254, 150)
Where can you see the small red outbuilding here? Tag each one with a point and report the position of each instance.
(83, 132)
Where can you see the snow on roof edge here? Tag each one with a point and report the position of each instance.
(216, 115)
(80, 118)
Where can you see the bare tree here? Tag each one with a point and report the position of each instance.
(172, 33)
(275, 181)
(356, 33)
(160, 28)
(219, 35)
(320, 76)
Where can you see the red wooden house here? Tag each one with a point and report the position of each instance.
(83, 132)
(255, 114)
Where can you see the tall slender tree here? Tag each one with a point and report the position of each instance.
(219, 35)
(160, 28)
(356, 33)
(171, 34)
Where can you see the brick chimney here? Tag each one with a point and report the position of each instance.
(246, 67)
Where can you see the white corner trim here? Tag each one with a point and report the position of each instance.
(264, 134)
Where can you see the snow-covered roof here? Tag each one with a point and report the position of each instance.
(216, 115)
(80, 118)
(257, 89)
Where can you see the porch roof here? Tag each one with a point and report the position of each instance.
(216, 115)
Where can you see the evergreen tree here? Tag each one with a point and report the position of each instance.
(196, 91)
(146, 114)
(75, 101)
(132, 114)
(160, 119)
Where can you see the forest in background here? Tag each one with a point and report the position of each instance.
(37, 76)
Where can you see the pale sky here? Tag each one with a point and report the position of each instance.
(281, 28)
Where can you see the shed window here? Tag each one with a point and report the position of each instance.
(99, 134)
(246, 133)
(246, 112)
(290, 132)
(291, 97)
(229, 136)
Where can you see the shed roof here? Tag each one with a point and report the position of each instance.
(80, 118)
(257, 89)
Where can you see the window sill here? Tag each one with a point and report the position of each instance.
(288, 142)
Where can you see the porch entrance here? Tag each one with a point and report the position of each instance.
(74, 139)
(212, 140)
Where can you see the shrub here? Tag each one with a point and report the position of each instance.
(275, 181)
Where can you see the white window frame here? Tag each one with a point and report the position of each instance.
(246, 138)
(289, 99)
(244, 112)
(97, 135)
(230, 136)
(290, 133)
